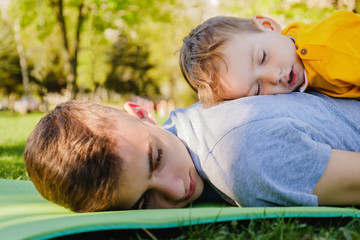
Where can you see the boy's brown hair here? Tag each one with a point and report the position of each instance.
(201, 56)
(71, 157)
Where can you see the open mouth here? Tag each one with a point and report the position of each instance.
(291, 75)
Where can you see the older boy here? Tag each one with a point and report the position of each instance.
(89, 157)
(254, 151)
(228, 58)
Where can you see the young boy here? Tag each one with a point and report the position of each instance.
(89, 157)
(228, 58)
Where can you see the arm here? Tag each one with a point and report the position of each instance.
(340, 183)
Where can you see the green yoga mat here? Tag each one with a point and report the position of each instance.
(24, 214)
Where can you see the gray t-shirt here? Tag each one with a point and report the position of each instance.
(268, 150)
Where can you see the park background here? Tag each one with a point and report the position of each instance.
(112, 51)
(109, 51)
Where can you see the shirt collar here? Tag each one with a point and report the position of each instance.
(305, 84)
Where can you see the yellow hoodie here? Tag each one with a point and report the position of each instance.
(330, 52)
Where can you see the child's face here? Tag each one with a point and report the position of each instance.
(158, 171)
(260, 64)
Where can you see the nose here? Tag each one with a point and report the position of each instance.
(169, 187)
(271, 75)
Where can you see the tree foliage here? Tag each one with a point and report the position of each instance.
(54, 32)
(127, 46)
(10, 73)
(130, 64)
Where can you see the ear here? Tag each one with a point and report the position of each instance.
(266, 23)
(140, 112)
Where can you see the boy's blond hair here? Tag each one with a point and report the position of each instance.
(71, 157)
(201, 55)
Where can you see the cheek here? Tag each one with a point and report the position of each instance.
(231, 87)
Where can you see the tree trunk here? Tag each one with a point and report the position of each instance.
(70, 60)
(22, 57)
(57, 6)
(74, 60)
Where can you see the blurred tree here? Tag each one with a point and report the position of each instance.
(10, 72)
(284, 11)
(130, 65)
(164, 40)
(54, 32)
(22, 58)
(14, 21)
(102, 15)
(27, 21)
(73, 44)
(70, 56)
(350, 5)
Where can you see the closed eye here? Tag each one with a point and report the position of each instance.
(154, 162)
(158, 159)
(258, 91)
(263, 57)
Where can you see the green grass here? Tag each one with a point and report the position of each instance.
(269, 229)
(260, 229)
(15, 128)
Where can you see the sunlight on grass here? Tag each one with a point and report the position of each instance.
(14, 130)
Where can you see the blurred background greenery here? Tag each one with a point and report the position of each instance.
(110, 51)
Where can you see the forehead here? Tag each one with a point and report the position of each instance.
(245, 40)
(120, 122)
(240, 41)
(236, 53)
(133, 146)
(101, 118)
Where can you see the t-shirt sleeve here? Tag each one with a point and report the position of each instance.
(270, 162)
